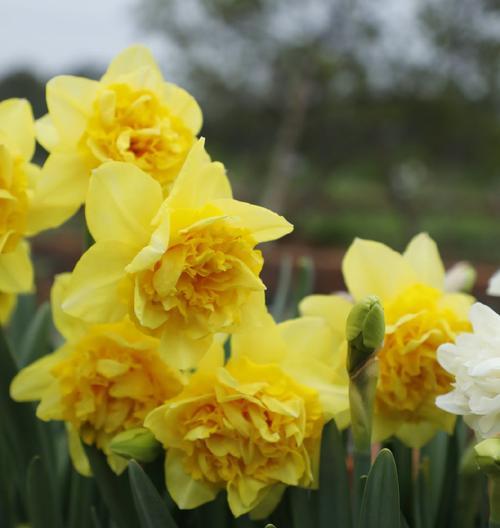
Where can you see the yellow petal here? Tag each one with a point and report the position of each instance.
(372, 268)
(184, 106)
(199, 181)
(180, 350)
(69, 327)
(7, 305)
(121, 202)
(70, 101)
(186, 492)
(17, 128)
(264, 344)
(95, 292)
(333, 308)
(128, 61)
(46, 133)
(32, 382)
(59, 191)
(77, 453)
(16, 271)
(423, 255)
(269, 498)
(263, 223)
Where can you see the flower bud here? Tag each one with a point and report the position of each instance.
(488, 456)
(139, 444)
(365, 330)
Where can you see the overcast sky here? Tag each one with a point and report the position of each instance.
(54, 36)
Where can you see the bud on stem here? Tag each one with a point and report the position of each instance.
(365, 333)
(139, 444)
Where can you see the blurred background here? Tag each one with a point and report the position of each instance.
(349, 117)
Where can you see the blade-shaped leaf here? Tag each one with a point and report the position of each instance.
(334, 504)
(380, 504)
(114, 490)
(36, 339)
(151, 508)
(41, 503)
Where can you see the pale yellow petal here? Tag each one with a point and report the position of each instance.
(70, 100)
(121, 202)
(16, 270)
(262, 344)
(46, 133)
(423, 255)
(269, 498)
(128, 61)
(70, 327)
(17, 127)
(99, 287)
(333, 308)
(32, 382)
(184, 106)
(372, 268)
(200, 180)
(59, 192)
(187, 492)
(262, 223)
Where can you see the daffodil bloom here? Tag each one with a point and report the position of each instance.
(104, 380)
(18, 177)
(253, 426)
(474, 362)
(183, 268)
(420, 316)
(131, 114)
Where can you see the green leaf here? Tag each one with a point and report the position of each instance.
(36, 340)
(380, 505)
(279, 304)
(150, 507)
(81, 498)
(334, 504)
(25, 311)
(114, 490)
(41, 503)
(305, 279)
(301, 506)
(19, 427)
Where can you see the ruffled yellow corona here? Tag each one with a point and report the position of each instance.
(182, 269)
(253, 426)
(419, 316)
(130, 115)
(105, 379)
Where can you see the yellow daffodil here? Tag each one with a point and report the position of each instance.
(420, 316)
(253, 425)
(184, 268)
(130, 115)
(19, 212)
(105, 379)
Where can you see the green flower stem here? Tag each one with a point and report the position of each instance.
(494, 493)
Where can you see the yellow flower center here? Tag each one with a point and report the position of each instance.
(13, 200)
(132, 125)
(203, 280)
(105, 386)
(417, 322)
(254, 422)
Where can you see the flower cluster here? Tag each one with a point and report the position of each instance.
(173, 271)
(167, 337)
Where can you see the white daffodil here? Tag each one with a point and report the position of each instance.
(474, 361)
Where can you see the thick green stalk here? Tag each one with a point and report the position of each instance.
(494, 493)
